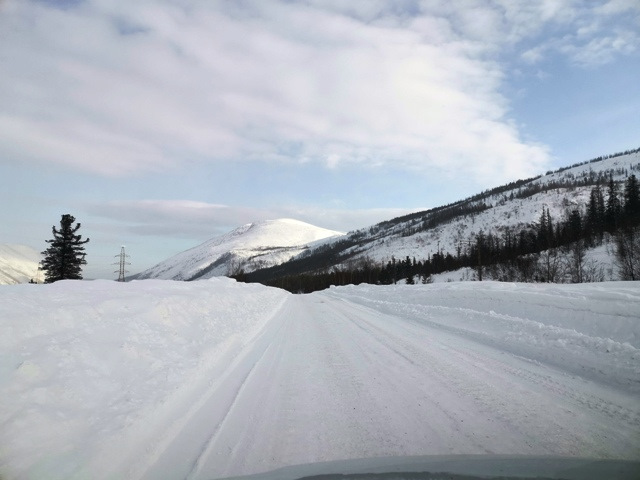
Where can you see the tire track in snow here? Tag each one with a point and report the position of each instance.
(552, 345)
(461, 351)
(331, 379)
(190, 436)
(208, 445)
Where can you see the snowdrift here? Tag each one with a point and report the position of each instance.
(88, 369)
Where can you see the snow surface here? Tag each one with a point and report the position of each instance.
(251, 246)
(18, 264)
(202, 380)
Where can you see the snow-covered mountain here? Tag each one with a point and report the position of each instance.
(249, 247)
(452, 227)
(288, 247)
(515, 207)
(18, 264)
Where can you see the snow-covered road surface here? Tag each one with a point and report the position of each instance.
(367, 371)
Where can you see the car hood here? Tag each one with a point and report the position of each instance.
(457, 467)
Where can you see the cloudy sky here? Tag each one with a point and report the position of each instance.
(162, 123)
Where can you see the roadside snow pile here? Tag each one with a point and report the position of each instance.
(591, 329)
(81, 362)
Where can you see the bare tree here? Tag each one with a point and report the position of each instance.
(575, 262)
(627, 251)
(550, 266)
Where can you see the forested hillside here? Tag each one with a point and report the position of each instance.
(538, 229)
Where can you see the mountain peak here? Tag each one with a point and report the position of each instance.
(18, 264)
(248, 247)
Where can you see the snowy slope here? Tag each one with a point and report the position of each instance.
(394, 238)
(18, 264)
(203, 380)
(252, 246)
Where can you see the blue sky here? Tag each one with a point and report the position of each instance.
(162, 123)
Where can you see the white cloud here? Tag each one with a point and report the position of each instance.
(144, 86)
(602, 49)
(534, 55)
(589, 34)
(201, 220)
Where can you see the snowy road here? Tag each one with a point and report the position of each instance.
(329, 379)
(204, 380)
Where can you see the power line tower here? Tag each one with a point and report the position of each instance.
(122, 263)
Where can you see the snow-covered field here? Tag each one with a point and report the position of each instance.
(161, 379)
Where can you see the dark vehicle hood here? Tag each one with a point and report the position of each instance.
(457, 467)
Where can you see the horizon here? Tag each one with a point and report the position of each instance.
(160, 126)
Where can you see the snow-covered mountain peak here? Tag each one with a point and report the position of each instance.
(18, 264)
(284, 232)
(248, 247)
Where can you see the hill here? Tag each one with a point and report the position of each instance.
(455, 235)
(247, 248)
(18, 264)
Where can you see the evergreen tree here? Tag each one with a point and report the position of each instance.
(613, 207)
(574, 224)
(632, 198)
(545, 230)
(550, 237)
(480, 241)
(596, 214)
(65, 256)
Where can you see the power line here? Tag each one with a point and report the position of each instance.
(122, 263)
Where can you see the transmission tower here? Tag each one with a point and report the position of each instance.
(122, 263)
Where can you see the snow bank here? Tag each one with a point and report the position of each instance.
(87, 367)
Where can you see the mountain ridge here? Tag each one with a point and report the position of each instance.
(448, 229)
(246, 248)
(451, 229)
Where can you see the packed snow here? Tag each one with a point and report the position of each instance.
(19, 264)
(202, 380)
(249, 247)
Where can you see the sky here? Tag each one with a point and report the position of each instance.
(160, 124)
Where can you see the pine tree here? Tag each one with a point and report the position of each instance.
(632, 198)
(596, 214)
(574, 224)
(545, 230)
(65, 256)
(480, 240)
(613, 207)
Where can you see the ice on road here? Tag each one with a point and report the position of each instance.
(369, 371)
